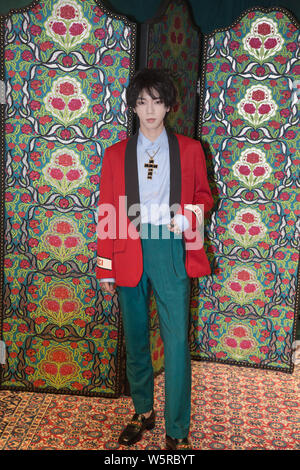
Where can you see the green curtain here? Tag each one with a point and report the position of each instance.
(207, 15)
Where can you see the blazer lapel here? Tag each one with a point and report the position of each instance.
(175, 170)
(131, 177)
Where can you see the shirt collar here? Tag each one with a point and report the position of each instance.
(161, 141)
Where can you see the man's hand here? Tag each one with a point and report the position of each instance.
(109, 287)
(173, 227)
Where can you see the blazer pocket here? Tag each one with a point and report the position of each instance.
(119, 245)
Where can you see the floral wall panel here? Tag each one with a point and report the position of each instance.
(173, 43)
(67, 64)
(245, 313)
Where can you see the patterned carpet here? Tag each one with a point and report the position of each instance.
(233, 408)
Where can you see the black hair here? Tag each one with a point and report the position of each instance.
(152, 80)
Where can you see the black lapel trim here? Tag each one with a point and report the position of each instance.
(175, 170)
(131, 176)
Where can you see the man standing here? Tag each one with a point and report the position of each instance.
(161, 177)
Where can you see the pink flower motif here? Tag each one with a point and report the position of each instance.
(225, 67)
(64, 203)
(76, 29)
(236, 286)
(9, 128)
(65, 159)
(67, 61)
(68, 306)
(255, 43)
(264, 109)
(59, 28)
(254, 135)
(97, 108)
(252, 157)
(239, 332)
(122, 135)
(125, 62)
(54, 240)
(67, 12)
(254, 230)
(290, 135)
(58, 103)
(243, 275)
(229, 109)
(248, 218)
(240, 229)
(105, 134)
(56, 174)
(35, 105)
(107, 60)
(249, 288)
(244, 170)
(258, 95)
(67, 89)
(71, 242)
(26, 129)
(249, 108)
(52, 305)
(100, 33)
(231, 342)
(264, 29)
(259, 171)
(35, 30)
(9, 55)
(245, 344)
(73, 175)
(74, 104)
(270, 43)
(95, 179)
(63, 227)
(234, 45)
(296, 70)
(27, 56)
(65, 134)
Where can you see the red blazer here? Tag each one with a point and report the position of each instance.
(119, 251)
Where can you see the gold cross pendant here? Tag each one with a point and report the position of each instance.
(150, 165)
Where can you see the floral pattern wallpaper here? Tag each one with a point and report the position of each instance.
(245, 313)
(67, 64)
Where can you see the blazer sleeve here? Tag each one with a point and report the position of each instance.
(202, 200)
(202, 192)
(106, 222)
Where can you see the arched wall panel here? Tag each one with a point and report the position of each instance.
(245, 313)
(67, 64)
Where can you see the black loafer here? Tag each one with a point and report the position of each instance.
(134, 430)
(177, 444)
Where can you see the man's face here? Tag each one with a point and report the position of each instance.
(151, 112)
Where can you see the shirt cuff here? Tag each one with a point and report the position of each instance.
(182, 222)
(107, 279)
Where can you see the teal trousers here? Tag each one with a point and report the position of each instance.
(164, 270)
